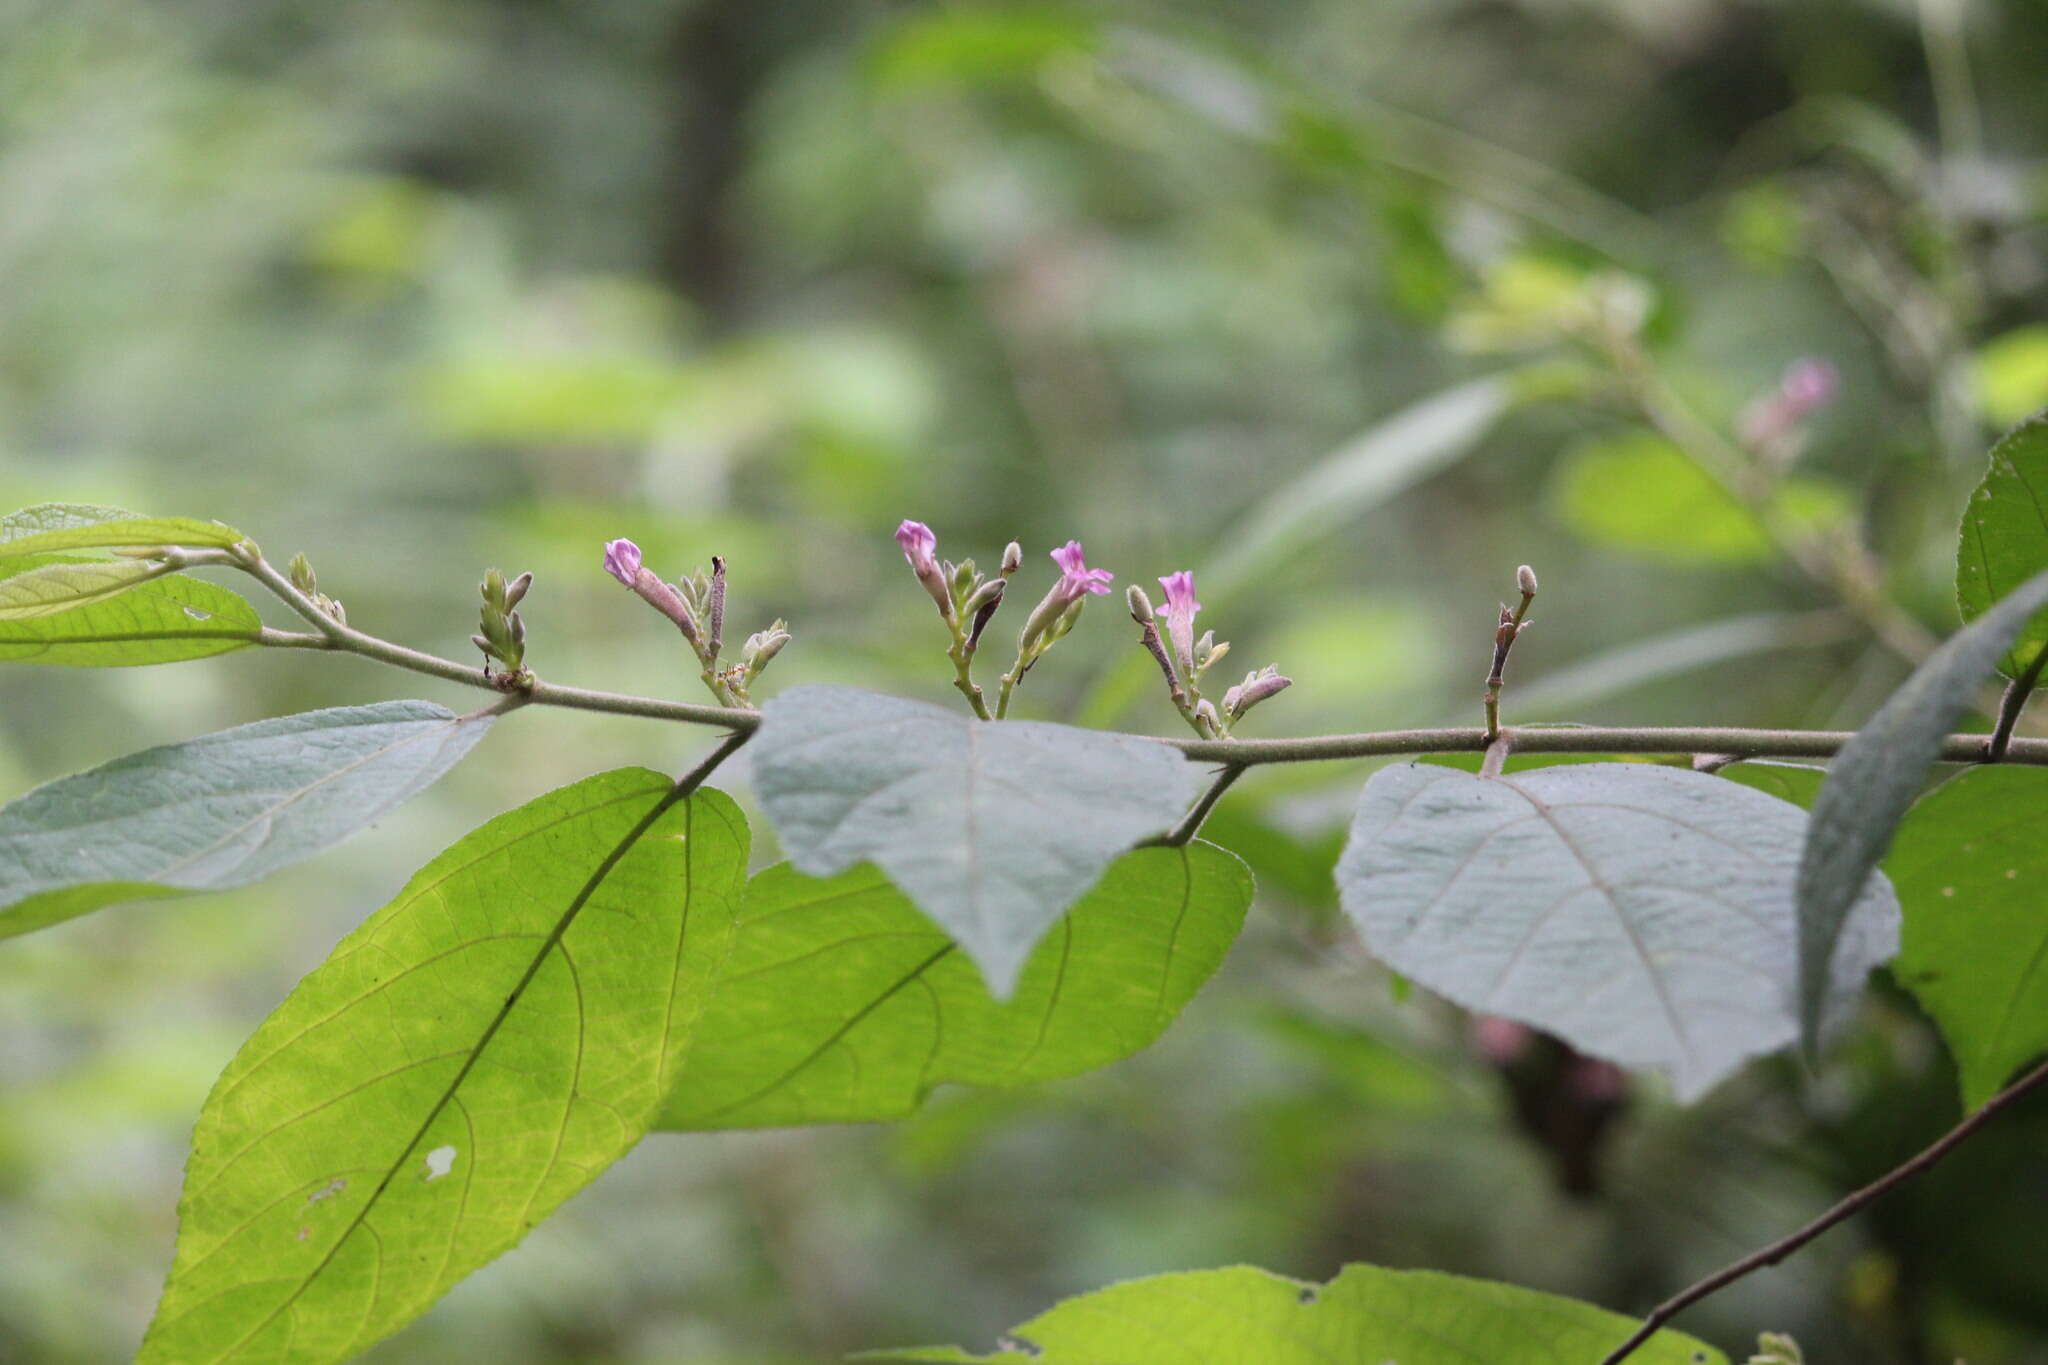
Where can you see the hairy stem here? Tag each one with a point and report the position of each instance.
(1191, 824)
(1741, 743)
(1791, 1242)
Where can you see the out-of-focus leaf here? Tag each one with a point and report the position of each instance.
(2012, 375)
(158, 622)
(475, 1053)
(1640, 493)
(1873, 781)
(2003, 540)
(53, 588)
(1641, 913)
(840, 1003)
(1381, 462)
(979, 45)
(993, 829)
(219, 811)
(1366, 1316)
(1969, 864)
(82, 526)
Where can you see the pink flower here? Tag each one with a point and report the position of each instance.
(1808, 385)
(622, 561)
(1076, 577)
(1181, 607)
(918, 542)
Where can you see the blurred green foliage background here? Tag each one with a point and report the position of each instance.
(1348, 307)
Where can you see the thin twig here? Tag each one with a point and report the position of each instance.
(2010, 705)
(1785, 1246)
(1575, 740)
(1191, 824)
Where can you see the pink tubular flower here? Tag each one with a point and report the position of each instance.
(622, 561)
(1181, 607)
(918, 542)
(1808, 385)
(1076, 577)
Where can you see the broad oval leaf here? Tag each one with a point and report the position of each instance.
(472, 1055)
(164, 621)
(83, 526)
(1969, 865)
(1366, 1316)
(223, 810)
(1798, 783)
(1873, 781)
(992, 828)
(50, 589)
(1644, 914)
(2003, 540)
(840, 1003)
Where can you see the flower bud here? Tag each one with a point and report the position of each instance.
(515, 591)
(762, 646)
(963, 578)
(1013, 558)
(1205, 716)
(917, 542)
(1525, 579)
(1140, 605)
(990, 591)
(1256, 687)
(301, 572)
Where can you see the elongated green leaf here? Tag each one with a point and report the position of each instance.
(475, 1053)
(1970, 863)
(219, 811)
(1366, 1316)
(993, 829)
(1874, 779)
(1642, 913)
(159, 622)
(1639, 492)
(61, 587)
(2003, 540)
(840, 1003)
(82, 526)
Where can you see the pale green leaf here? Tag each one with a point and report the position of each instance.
(993, 828)
(1366, 1316)
(1879, 771)
(2003, 538)
(1970, 864)
(81, 526)
(840, 1003)
(1642, 913)
(159, 622)
(1798, 783)
(2012, 374)
(59, 587)
(223, 810)
(1638, 492)
(475, 1053)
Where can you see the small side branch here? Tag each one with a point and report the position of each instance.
(1785, 1246)
(1191, 824)
(2010, 705)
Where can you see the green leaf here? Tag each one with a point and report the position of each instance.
(1880, 770)
(1640, 493)
(1366, 1316)
(1641, 913)
(2003, 540)
(59, 587)
(1798, 783)
(2012, 374)
(992, 828)
(82, 526)
(979, 47)
(840, 1003)
(1969, 865)
(471, 1056)
(219, 811)
(160, 622)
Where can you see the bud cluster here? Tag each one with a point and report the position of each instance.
(967, 600)
(501, 634)
(1183, 659)
(300, 572)
(696, 604)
